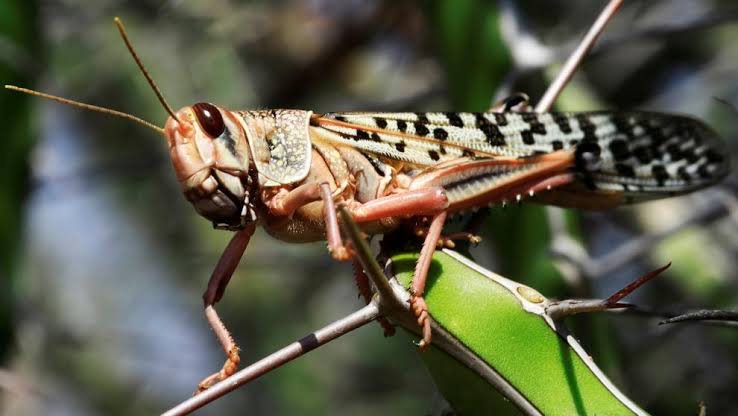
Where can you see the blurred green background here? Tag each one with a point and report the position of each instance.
(104, 261)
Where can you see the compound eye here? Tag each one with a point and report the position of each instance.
(210, 119)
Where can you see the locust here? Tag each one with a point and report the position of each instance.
(286, 170)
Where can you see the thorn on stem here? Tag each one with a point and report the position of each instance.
(615, 297)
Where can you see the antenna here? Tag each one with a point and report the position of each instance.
(124, 35)
(87, 107)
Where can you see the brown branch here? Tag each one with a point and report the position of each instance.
(277, 359)
(727, 317)
(559, 235)
(560, 309)
(666, 31)
(572, 64)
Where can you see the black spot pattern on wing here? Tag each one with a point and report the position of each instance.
(704, 171)
(536, 133)
(660, 174)
(538, 128)
(652, 154)
(562, 120)
(643, 154)
(420, 129)
(692, 157)
(440, 133)
(675, 152)
(527, 137)
(529, 117)
(455, 120)
(619, 149)
(588, 156)
(624, 126)
(500, 119)
(713, 156)
(491, 131)
(625, 170)
(683, 174)
(587, 127)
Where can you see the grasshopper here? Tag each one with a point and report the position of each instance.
(287, 169)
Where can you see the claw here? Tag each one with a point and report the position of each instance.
(449, 241)
(420, 309)
(229, 368)
(343, 253)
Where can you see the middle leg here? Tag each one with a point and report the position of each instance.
(429, 201)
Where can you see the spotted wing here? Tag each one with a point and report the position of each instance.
(650, 155)
(644, 155)
(426, 139)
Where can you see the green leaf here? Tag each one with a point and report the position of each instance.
(481, 310)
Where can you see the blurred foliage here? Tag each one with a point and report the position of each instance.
(115, 259)
(18, 32)
(473, 54)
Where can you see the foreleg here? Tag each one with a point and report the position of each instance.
(216, 287)
(286, 203)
